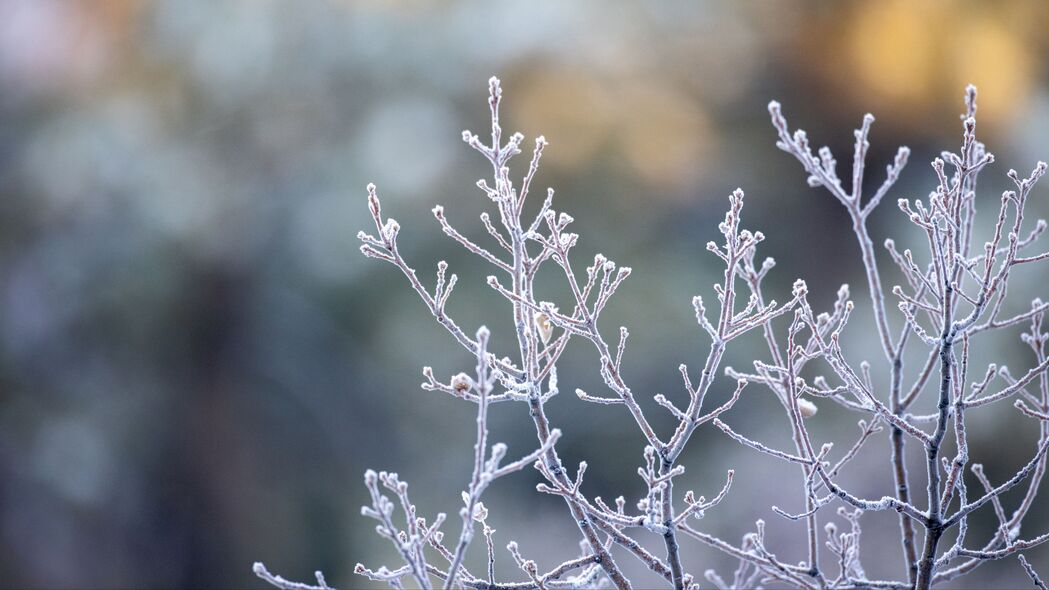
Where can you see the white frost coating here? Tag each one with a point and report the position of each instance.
(948, 296)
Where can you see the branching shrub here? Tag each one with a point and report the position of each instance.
(951, 294)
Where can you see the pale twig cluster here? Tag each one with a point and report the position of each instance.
(949, 294)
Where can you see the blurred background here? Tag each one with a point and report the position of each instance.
(197, 364)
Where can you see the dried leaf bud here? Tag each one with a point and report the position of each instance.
(544, 326)
(480, 512)
(800, 288)
(807, 408)
(462, 383)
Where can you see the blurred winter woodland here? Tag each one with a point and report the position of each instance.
(197, 365)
